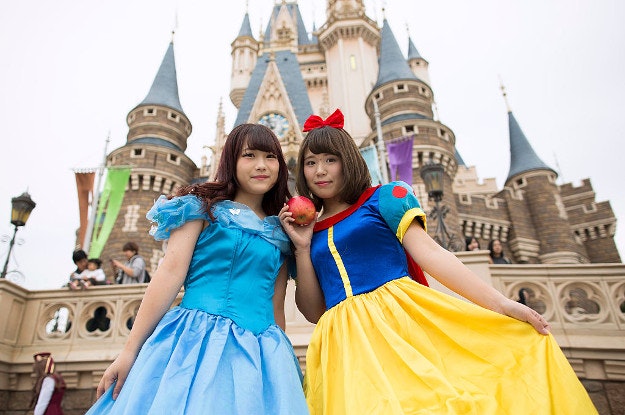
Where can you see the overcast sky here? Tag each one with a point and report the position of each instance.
(72, 70)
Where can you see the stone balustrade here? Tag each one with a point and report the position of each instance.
(84, 330)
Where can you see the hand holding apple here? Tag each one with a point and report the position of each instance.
(303, 210)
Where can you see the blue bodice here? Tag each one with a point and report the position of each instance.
(235, 262)
(358, 252)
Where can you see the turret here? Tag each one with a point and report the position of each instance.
(156, 141)
(405, 106)
(531, 187)
(349, 40)
(417, 63)
(244, 54)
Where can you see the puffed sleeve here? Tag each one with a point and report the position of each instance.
(399, 207)
(167, 215)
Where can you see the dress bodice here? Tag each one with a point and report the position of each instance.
(361, 250)
(235, 262)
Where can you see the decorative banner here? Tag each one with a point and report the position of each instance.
(370, 154)
(400, 159)
(110, 201)
(84, 186)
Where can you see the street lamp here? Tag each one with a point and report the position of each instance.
(21, 207)
(433, 175)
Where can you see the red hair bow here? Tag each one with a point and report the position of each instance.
(335, 120)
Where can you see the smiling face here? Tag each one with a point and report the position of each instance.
(256, 173)
(324, 175)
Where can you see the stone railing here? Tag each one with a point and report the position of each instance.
(84, 330)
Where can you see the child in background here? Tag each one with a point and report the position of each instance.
(385, 344)
(94, 274)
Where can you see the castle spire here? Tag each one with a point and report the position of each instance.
(164, 90)
(246, 28)
(523, 158)
(392, 64)
(417, 63)
(413, 53)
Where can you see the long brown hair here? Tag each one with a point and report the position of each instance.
(224, 186)
(338, 142)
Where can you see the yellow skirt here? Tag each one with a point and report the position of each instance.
(408, 349)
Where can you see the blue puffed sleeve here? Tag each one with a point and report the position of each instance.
(399, 206)
(168, 215)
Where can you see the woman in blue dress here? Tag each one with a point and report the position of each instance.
(223, 349)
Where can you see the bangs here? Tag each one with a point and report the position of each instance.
(256, 139)
(322, 143)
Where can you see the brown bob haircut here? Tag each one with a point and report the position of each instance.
(224, 186)
(338, 142)
(131, 246)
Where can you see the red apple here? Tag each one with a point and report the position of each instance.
(303, 210)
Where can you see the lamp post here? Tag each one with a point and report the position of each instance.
(21, 206)
(433, 175)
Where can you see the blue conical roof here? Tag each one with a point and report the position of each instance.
(459, 158)
(413, 53)
(392, 64)
(523, 158)
(293, 9)
(164, 90)
(246, 28)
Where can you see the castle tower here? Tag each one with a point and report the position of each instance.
(542, 228)
(244, 53)
(154, 149)
(417, 63)
(405, 105)
(276, 94)
(349, 41)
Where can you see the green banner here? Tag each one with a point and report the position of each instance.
(109, 205)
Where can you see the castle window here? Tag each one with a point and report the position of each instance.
(174, 159)
(137, 153)
(149, 111)
(352, 62)
(173, 116)
(378, 96)
(589, 208)
(521, 182)
(442, 133)
(465, 199)
(410, 130)
(401, 88)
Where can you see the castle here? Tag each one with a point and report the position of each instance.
(286, 74)
(571, 268)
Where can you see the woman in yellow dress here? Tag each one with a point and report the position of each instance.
(385, 344)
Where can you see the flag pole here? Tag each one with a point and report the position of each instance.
(96, 196)
(381, 148)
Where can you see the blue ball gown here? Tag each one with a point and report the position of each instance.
(219, 351)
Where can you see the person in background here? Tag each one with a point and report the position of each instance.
(495, 249)
(133, 270)
(386, 344)
(49, 386)
(472, 244)
(94, 274)
(223, 350)
(80, 260)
